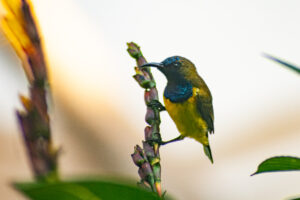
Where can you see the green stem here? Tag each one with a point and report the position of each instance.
(152, 133)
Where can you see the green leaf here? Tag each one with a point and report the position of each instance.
(290, 66)
(84, 190)
(279, 163)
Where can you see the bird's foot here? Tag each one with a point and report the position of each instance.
(157, 105)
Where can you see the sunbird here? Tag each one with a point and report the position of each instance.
(188, 100)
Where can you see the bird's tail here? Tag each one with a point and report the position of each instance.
(208, 153)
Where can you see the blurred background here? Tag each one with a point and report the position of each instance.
(97, 108)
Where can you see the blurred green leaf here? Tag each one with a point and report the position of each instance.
(280, 163)
(84, 190)
(290, 66)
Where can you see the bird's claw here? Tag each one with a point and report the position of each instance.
(157, 105)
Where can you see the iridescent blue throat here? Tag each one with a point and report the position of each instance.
(178, 92)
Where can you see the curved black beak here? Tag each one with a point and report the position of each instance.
(153, 64)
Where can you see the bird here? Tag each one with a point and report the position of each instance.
(187, 100)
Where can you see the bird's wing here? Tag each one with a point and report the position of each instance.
(204, 106)
(204, 102)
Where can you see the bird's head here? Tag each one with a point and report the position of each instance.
(174, 68)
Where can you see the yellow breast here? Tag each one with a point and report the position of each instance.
(187, 118)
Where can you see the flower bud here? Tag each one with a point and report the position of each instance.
(142, 174)
(149, 151)
(147, 170)
(151, 95)
(148, 133)
(150, 116)
(137, 156)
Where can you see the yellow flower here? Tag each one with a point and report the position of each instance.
(15, 26)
